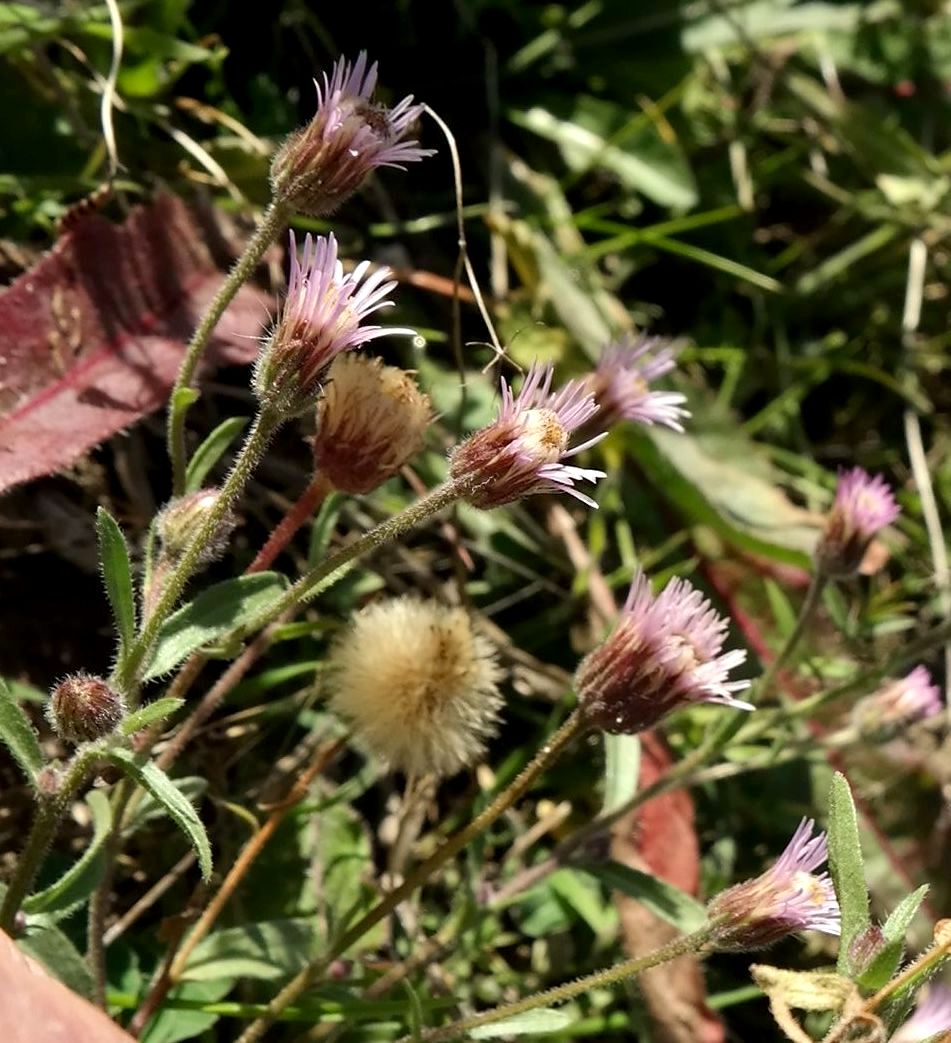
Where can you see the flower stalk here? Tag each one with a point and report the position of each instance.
(267, 228)
(573, 726)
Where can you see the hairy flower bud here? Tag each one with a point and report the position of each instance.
(322, 317)
(84, 708)
(863, 506)
(787, 898)
(371, 419)
(897, 704)
(417, 684)
(621, 384)
(521, 453)
(181, 520)
(664, 653)
(324, 163)
(865, 948)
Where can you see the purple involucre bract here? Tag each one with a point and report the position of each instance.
(621, 384)
(325, 162)
(666, 652)
(323, 315)
(789, 897)
(863, 506)
(523, 451)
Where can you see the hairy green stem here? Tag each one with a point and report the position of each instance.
(49, 814)
(689, 943)
(267, 228)
(127, 674)
(450, 847)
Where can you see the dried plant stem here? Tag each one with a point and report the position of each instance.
(175, 963)
(271, 221)
(129, 671)
(50, 811)
(298, 515)
(546, 756)
(689, 943)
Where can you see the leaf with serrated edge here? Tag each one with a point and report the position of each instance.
(152, 778)
(17, 733)
(117, 576)
(846, 867)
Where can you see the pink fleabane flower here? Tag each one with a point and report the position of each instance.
(621, 383)
(789, 897)
(863, 506)
(665, 653)
(524, 450)
(322, 316)
(932, 1015)
(899, 703)
(325, 162)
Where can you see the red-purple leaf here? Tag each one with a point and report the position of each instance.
(91, 337)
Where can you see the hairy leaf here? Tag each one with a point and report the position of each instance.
(117, 576)
(846, 867)
(17, 733)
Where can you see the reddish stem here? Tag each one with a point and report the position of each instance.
(298, 515)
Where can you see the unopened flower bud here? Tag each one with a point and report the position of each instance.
(665, 653)
(787, 898)
(371, 419)
(181, 520)
(521, 453)
(322, 317)
(84, 708)
(863, 506)
(865, 947)
(418, 685)
(324, 163)
(897, 704)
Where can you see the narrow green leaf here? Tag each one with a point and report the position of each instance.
(150, 714)
(51, 947)
(211, 450)
(212, 614)
(894, 930)
(117, 576)
(671, 904)
(17, 733)
(532, 1022)
(153, 779)
(622, 765)
(846, 867)
(79, 881)
(415, 1012)
(263, 951)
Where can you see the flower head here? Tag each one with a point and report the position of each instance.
(789, 897)
(323, 316)
(522, 452)
(181, 520)
(932, 1015)
(417, 684)
(664, 653)
(898, 703)
(863, 506)
(621, 384)
(84, 708)
(324, 163)
(370, 420)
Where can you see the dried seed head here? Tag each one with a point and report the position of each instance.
(522, 452)
(787, 898)
(897, 704)
(324, 163)
(417, 684)
(621, 384)
(322, 317)
(84, 708)
(863, 506)
(664, 653)
(182, 519)
(371, 419)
